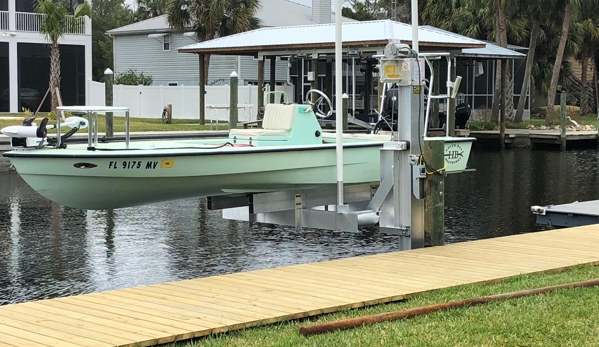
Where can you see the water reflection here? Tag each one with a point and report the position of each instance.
(47, 250)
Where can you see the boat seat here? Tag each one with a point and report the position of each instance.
(278, 121)
(283, 125)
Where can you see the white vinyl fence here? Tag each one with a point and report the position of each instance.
(148, 101)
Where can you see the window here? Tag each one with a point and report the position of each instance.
(166, 43)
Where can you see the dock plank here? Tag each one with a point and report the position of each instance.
(162, 313)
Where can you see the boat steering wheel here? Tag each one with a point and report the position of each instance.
(316, 105)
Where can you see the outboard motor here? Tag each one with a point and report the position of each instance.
(462, 114)
(31, 135)
(28, 134)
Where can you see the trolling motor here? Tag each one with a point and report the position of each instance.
(30, 135)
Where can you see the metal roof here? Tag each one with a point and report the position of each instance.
(272, 13)
(490, 51)
(369, 34)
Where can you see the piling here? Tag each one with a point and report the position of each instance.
(233, 112)
(108, 100)
(434, 192)
(562, 119)
(203, 80)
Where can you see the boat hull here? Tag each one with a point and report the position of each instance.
(113, 180)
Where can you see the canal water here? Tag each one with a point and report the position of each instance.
(50, 251)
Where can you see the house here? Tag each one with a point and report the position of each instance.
(151, 47)
(25, 58)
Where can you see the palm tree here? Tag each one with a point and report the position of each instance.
(569, 6)
(534, 9)
(150, 8)
(53, 27)
(212, 18)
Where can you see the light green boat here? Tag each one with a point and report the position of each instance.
(289, 152)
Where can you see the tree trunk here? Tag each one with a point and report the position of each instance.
(502, 42)
(585, 107)
(558, 64)
(534, 35)
(54, 73)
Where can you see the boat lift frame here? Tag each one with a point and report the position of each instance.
(396, 203)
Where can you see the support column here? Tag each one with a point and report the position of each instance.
(502, 103)
(367, 88)
(300, 81)
(202, 90)
(328, 82)
(314, 68)
(450, 120)
(260, 87)
(88, 60)
(273, 76)
(13, 63)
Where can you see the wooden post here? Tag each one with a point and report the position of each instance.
(273, 77)
(563, 120)
(260, 87)
(234, 93)
(203, 80)
(450, 118)
(108, 100)
(345, 111)
(434, 193)
(502, 103)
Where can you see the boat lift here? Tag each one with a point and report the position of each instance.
(396, 203)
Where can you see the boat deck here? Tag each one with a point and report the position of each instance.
(162, 313)
(569, 215)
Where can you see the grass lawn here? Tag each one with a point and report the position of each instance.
(137, 124)
(566, 318)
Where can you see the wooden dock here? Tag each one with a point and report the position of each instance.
(529, 138)
(162, 313)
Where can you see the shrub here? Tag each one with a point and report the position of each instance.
(132, 78)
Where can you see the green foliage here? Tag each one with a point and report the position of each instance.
(132, 78)
(149, 8)
(107, 15)
(480, 126)
(377, 9)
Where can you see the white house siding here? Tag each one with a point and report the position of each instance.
(144, 54)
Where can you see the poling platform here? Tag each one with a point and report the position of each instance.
(150, 315)
(568, 215)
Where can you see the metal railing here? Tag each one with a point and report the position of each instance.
(3, 20)
(32, 22)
